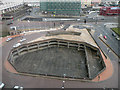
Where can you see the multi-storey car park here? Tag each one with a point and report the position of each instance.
(71, 54)
(61, 7)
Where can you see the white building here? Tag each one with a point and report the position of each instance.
(110, 1)
(85, 3)
(9, 6)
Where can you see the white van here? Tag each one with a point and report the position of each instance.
(13, 28)
(1, 85)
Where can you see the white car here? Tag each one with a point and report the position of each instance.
(1, 85)
(16, 45)
(118, 38)
(22, 40)
(13, 28)
(78, 19)
(8, 39)
(18, 88)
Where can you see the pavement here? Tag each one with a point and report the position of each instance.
(111, 25)
(108, 71)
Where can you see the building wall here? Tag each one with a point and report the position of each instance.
(97, 1)
(62, 8)
(85, 3)
(110, 1)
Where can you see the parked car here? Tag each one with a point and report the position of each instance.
(13, 28)
(9, 39)
(113, 34)
(18, 88)
(10, 23)
(78, 19)
(1, 85)
(16, 45)
(22, 40)
(105, 37)
(117, 38)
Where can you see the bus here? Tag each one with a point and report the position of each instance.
(109, 11)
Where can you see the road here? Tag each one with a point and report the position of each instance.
(100, 29)
(91, 18)
(111, 41)
(65, 27)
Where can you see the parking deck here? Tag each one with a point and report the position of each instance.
(54, 61)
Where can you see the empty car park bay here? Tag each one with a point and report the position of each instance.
(53, 61)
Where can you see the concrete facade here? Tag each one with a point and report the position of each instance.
(56, 7)
(10, 6)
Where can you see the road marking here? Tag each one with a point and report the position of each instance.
(108, 46)
(108, 35)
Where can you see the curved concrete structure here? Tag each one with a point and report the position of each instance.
(91, 60)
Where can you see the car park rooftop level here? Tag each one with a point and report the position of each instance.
(52, 56)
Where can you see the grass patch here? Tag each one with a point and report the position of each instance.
(116, 30)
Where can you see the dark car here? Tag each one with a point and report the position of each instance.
(113, 34)
(10, 23)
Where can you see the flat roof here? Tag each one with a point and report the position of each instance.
(84, 36)
(9, 5)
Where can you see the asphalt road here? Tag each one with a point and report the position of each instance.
(99, 29)
(91, 18)
(111, 41)
(65, 27)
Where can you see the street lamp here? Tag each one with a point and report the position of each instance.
(63, 85)
(96, 19)
(29, 23)
(64, 75)
(54, 24)
(63, 82)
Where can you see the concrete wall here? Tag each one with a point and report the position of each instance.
(30, 47)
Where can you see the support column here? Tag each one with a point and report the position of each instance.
(48, 44)
(87, 62)
(68, 44)
(38, 45)
(12, 59)
(78, 47)
(18, 52)
(58, 43)
(27, 48)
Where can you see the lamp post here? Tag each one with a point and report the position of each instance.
(96, 19)
(63, 83)
(23, 1)
(98, 78)
(54, 24)
(64, 75)
(45, 23)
